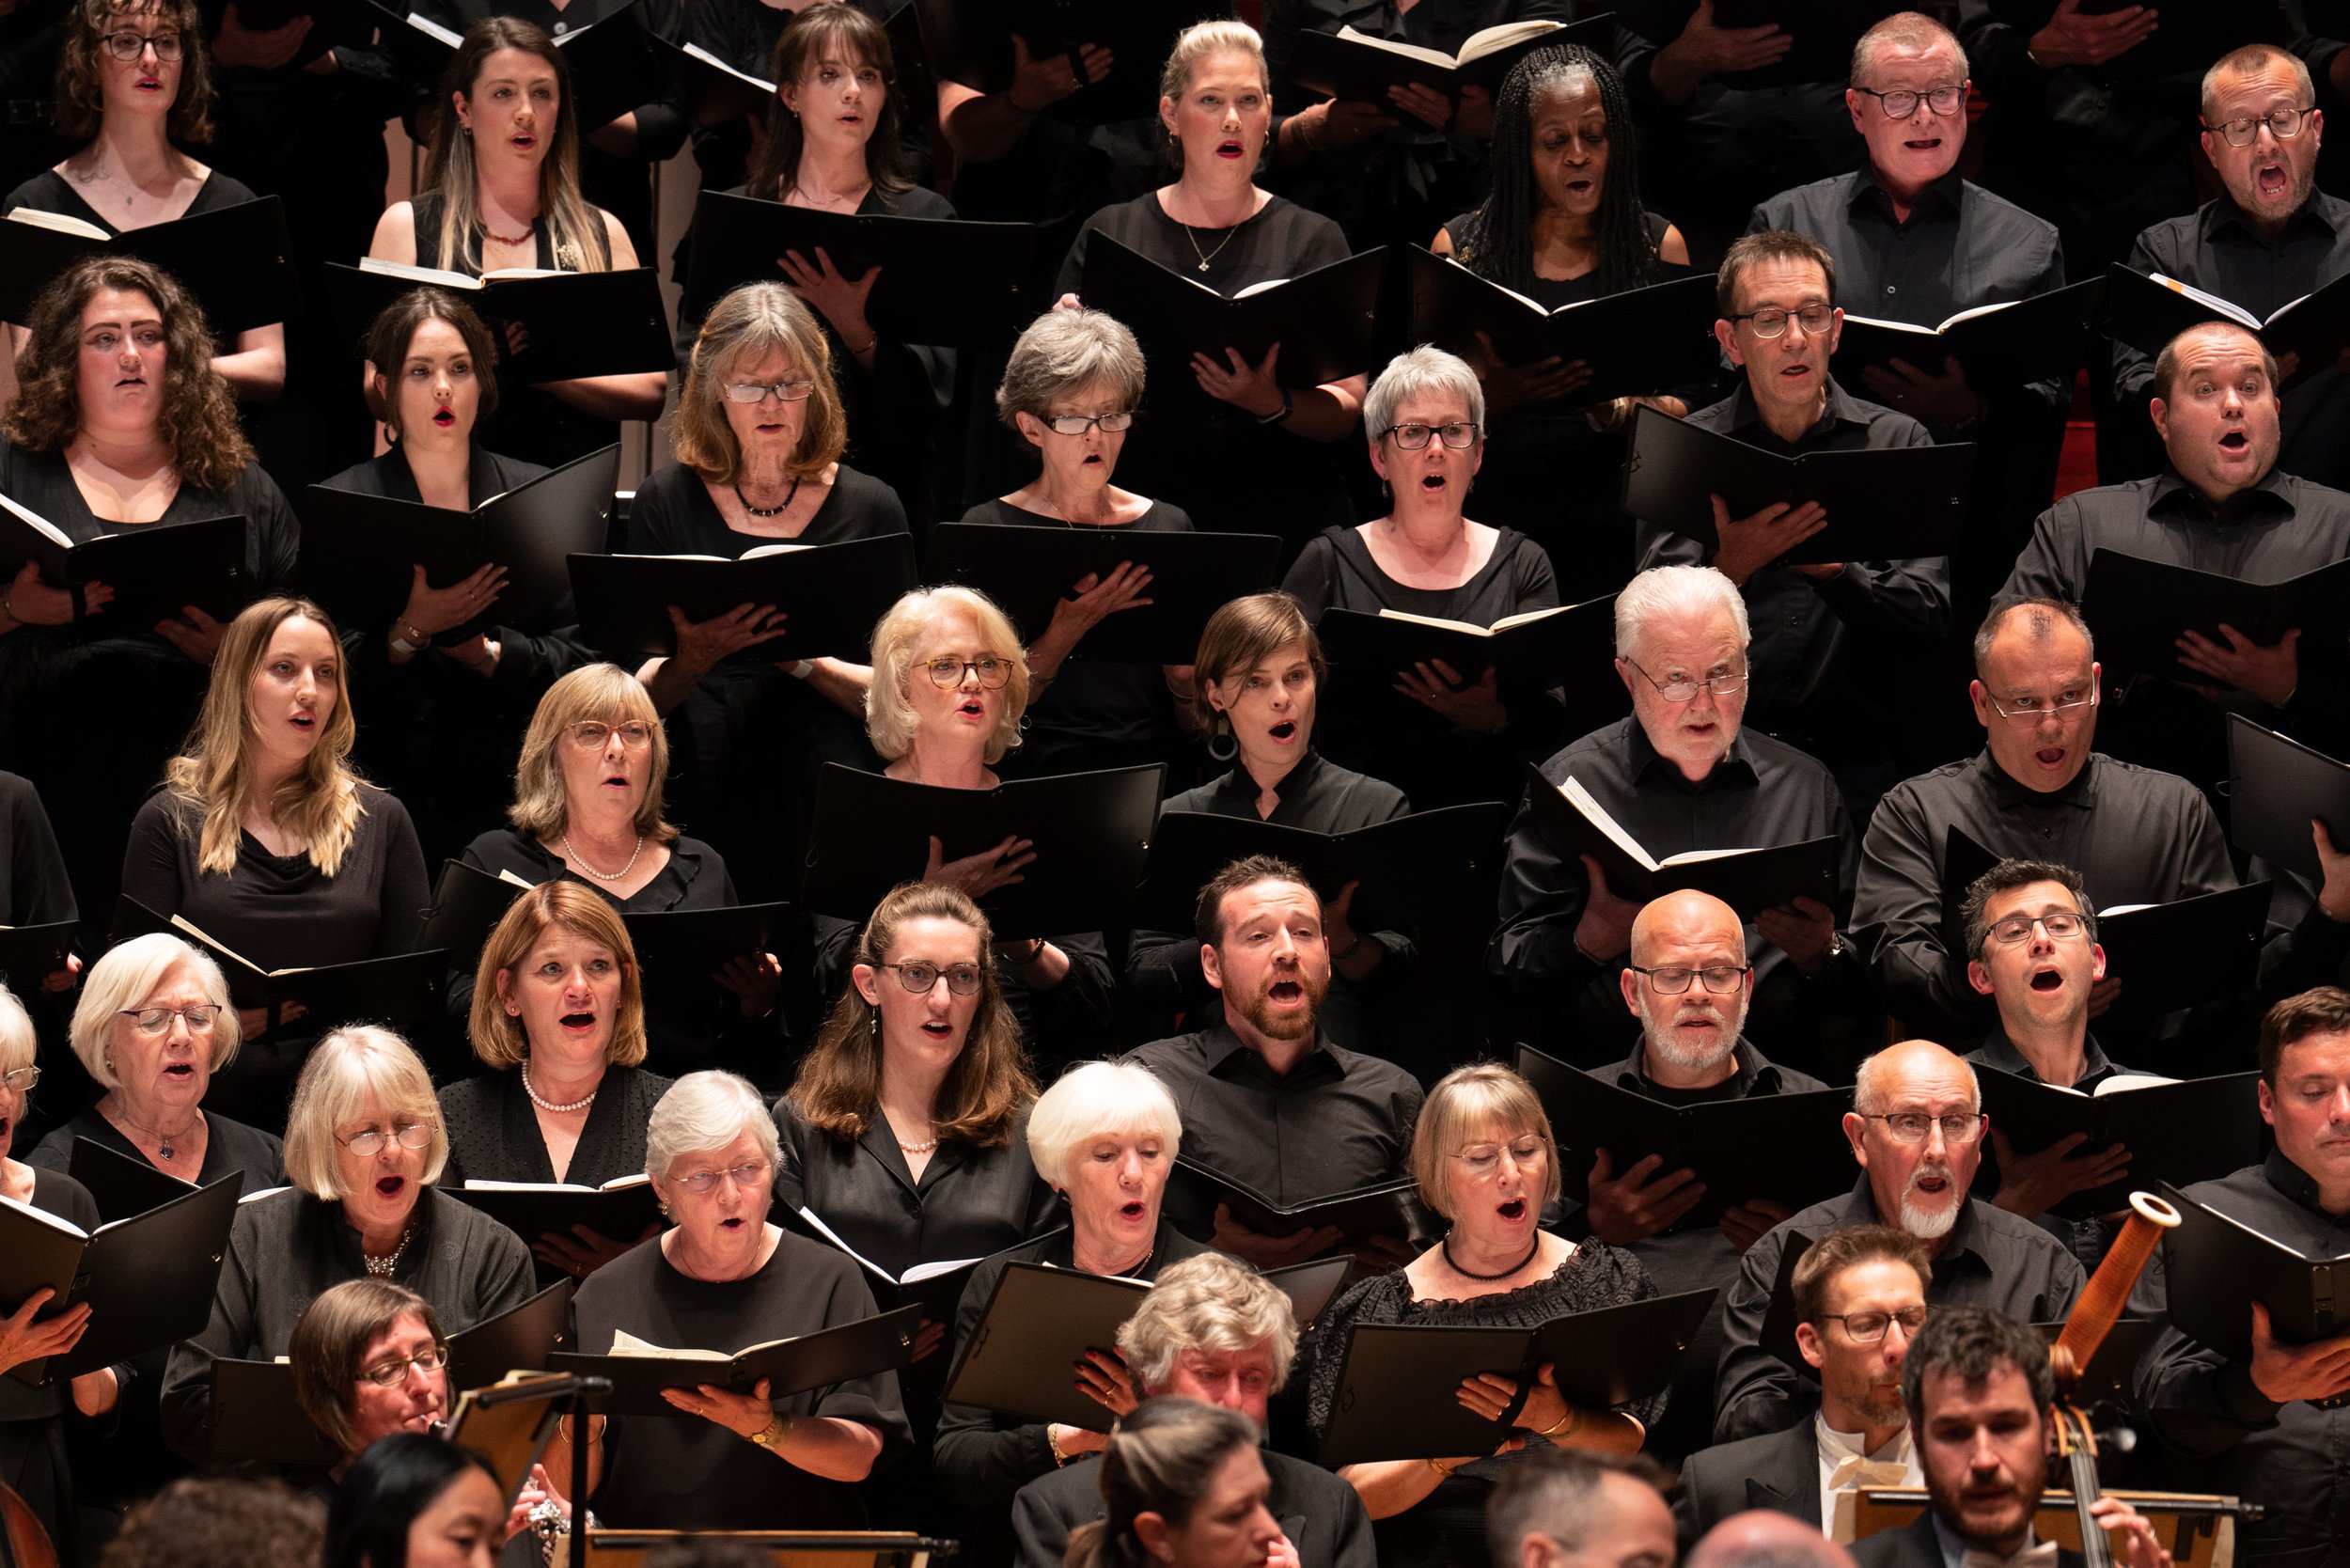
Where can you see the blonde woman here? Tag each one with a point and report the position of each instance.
(501, 189)
(265, 839)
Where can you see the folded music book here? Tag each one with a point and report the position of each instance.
(147, 1280)
(2279, 785)
(943, 280)
(1027, 570)
(1325, 321)
(2178, 1131)
(156, 570)
(1358, 67)
(2186, 952)
(1883, 503)
(1399, 1384)
(237, 262)
(621, 1208)
(521, 1339)
(123, 1186)
(1641, 340)
(1090, 832)
(1748, 880)
(674, 947)
(1564, 645)
(1137, 34)
(2215, 1266)
(934, 1287)
(397, 989)
(467, 904)
(1998, 345)
(2139, 608)
(1786, 1147)
(359, 552)
(2146, 310)
(1382, 1209)
(1415, 869)
(574, 325)
(832, 593)
(640, 1371)
(30, 954)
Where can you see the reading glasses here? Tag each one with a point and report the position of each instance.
(1771, 322)
(370, 1140)
(2031, 709)
(22, 1079)
(1413, 438)
(757, 392)
(1077, 424)
(1916, 1126)
(1867, 1328)
(992, 671)
(1483, 1159)
(157, 1020)
(130, 46)
(1721, 980)
(1899, 105)
(591, 735)
(2060, 924)
(391, 1374)
(1727, 683)
(919, 978)
(2284, 124)
(751, 1177)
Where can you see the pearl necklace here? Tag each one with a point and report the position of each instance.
(918, 1148)
(550, 1105)
(581, 861)
(381, 1267)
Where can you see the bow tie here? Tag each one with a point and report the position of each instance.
(2042, 1555)
(1855, 1471)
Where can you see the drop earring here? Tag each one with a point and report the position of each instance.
(1223, 744)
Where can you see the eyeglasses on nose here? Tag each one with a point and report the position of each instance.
(1771, 322)
(127, 46)
(392, 1374)
(1721, 978)
(370, 1140)
(919, 978)
(1413, 438)
(992, 671)
(758, 392)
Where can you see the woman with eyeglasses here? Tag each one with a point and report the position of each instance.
(1070, 391)
(720, 1279)
(369, 1359)
(1458, 735)
(589, 812)
(1486, 1163)
(132, 76)
(364, 1147)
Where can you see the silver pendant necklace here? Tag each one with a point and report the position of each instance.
(1206, 257)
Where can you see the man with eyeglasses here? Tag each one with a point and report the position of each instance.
(1267, 1098)
(1860, 1298)
(1916, 1128)
(1824, 634)
(1681, 774)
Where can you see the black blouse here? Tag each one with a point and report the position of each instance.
(682, 1472)
(51, 192)
(493, 1131)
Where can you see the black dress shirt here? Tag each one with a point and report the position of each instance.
(1322, 1516)
(1989, 1258)
(2136, 837)
(2218, 250)
(1336, 1122)
(2219, 1428)
(1826, 649)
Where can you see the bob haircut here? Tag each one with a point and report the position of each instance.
(1094, 1098)
(198, 418)
(331, 1336)
(350, 1067)
(604, 692)
(396, 1479)
(393, 333)
(1465, 1103)
(702, 1112)
(18, 1043)
(81, 103)
(1062, 354)
(1211, 1304)
(1244, 633)
(497, 1035)
(127, 975)
(747, 325)
(889, 720)
(1423, 371)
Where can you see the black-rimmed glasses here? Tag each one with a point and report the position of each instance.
(1414, 438)
(1900, 104)
(918, 976)
(1721, 980)
(992, 671)
(2283, 125)
(1077, 424)
(758, 392)
(1867, 1328)
(127, 46)
(1771, 322)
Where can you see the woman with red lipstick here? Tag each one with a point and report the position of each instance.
(364, 1147)
(724, 1277)
(502, 191)
(31, 1421)
(1487, 1162)
(1070, 391)
(558, 1019)
(132, 75)
(264, 837)
(1454, 738)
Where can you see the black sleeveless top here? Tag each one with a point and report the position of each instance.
(428, 213)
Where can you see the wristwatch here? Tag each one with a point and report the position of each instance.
(773, 1435)
(1288, 407)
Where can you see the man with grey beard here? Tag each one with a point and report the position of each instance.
(1916, 1129)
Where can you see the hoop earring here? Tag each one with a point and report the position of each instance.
(1223, 738)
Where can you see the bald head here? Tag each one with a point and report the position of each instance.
(1762, 1539)
(1688, 1035)
(1895, 1071)
(1687, 916)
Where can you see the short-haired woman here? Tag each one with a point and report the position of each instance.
(369, 1359)
(364, 1146)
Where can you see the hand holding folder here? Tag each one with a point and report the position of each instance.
(1028, 571)
(1323, 321)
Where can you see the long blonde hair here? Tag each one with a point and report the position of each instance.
(213, 772)
(574, 227)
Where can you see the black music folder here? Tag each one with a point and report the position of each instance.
(2278, 786)
(1027, 570)
(2146, 311)
(791, 1366)
(1748, 880)
(1398, 1386)
(2188, 951)
(1423, 868)
(358, 552)
(1999, 345)
(467, 904)
(237, 262)
(521, 1339)
(575, 323)
(1883, 503)
(30, 954)
(1325, 321)
(678, 947)
(147, 1280)
(2183, 1131)
(1381, 1209)
(1565, 645)
(612, 64)
(970, 41)
(832, 593)
(122, 1185)
(2139, 608)
(1040, 1320)
(712, 91)
(1090, 832)
(255, 1415)
(1356, 66)
(156, 568)
(2215, 1266)
(1787, 1146)
(397, 989)
(621, 1208)
(1641, 340)
(935, 1287)
(943, 280)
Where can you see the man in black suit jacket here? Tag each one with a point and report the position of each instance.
(1980, 1399)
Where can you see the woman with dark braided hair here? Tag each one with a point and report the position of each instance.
(1564, 224)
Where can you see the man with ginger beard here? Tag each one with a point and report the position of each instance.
(1267, 1098)
(1916, 1128)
